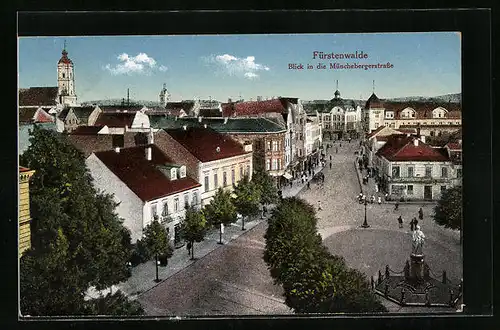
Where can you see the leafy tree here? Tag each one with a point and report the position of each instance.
(113, 304)
(247, 199)
(64, 203)
(157, 243)
(448, 211)
(314, 281)
(193, 228)
(221, 210)
(268, 190)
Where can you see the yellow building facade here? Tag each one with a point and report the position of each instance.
(24, 209)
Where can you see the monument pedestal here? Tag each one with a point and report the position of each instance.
(417, 267)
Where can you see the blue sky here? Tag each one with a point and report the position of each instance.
(227, 66)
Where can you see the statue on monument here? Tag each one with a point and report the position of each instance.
(418, 241)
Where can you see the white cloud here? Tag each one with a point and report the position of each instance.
(139, 64)
(235, 66)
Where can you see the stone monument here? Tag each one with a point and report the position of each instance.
(414, 286)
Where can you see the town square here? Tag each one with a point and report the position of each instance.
(254, 191)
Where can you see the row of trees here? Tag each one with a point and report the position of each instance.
(223, 210)
(314, 281)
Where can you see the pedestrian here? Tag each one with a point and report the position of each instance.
(386, 196)
(372, 200)
(340, 145)
(363, 198)
(319, 206)
(188, 247)
(330, 157)
(308, 186)
(420, 214)
(291, 183)
(376, 187)
(379, 200)
(396, 206)
(330, 165)
(360, 196)
(400, 221)
(411, 224)
(336, 150)
(264, 208)
(415, 223)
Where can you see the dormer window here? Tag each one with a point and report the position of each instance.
(182, 172)
(173, 174)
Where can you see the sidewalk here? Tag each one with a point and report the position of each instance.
(143, 275)
(297, 184)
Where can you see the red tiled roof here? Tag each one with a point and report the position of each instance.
(142, 176)
(454, 146)
(86, 130)
(38, 96)
(115, 119)
(23, 169)
(203, 143)
(406, 130)
(64, 58)
(400, 147)
(253, 107)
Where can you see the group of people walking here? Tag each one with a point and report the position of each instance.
(413, 222)
(362, 198)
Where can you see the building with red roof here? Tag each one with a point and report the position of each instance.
(213, 159)
(408, 168)
(147, 184)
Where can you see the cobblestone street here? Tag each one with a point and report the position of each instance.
(384, 243)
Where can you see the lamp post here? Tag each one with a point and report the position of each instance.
(365, 223)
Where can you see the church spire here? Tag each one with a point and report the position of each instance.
(337, 93)
(373, 86)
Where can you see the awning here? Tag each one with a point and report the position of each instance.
(287, 176)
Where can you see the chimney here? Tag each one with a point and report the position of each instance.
(229, 100)
(259, 98)
(148, 153)
(199, 119)
(117, 150)
(151, 136)
(415, 142)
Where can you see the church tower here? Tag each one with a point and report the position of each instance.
(66, 80)
(164, 96)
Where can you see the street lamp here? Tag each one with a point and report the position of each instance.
(365, 223)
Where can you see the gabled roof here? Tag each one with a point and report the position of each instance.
(115, 119)
(86, 130)
(34, 115)
(38, 96)
(206, 144)
(423, 110)
(185, 105)
(144, 177)
(252, 125)
(400, 147)
(210, 112)
(120, 108)
(253, 108)
(83, 112)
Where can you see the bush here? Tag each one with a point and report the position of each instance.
(140, 254)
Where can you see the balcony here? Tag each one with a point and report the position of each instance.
(419, 179)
